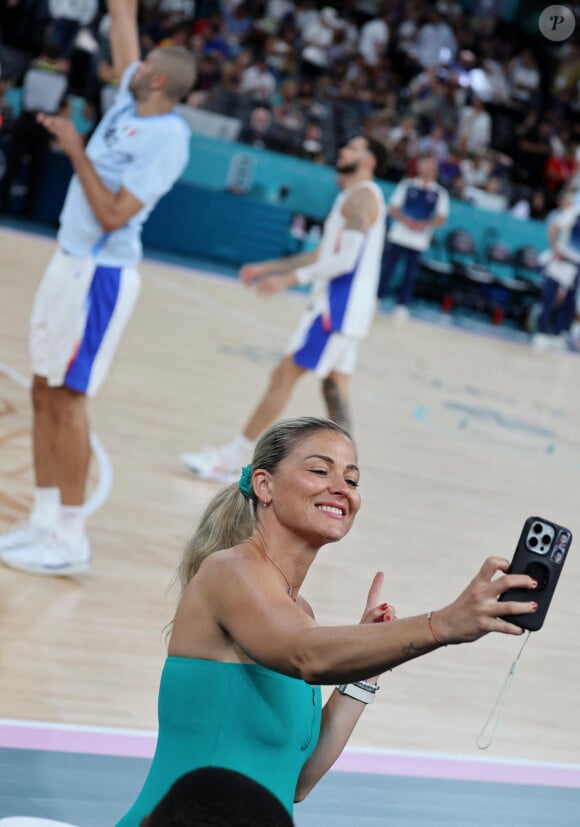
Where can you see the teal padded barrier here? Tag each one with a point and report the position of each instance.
(200, 217)
(217, 225)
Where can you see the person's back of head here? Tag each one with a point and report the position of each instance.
(379, 151)
(51, 51)
(218, 797)
(179, 67)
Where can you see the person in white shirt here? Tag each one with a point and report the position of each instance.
(417, 207)
(476, 170)
(561, 275)
(436, 43)
(474, 132)
(258, 82)
(524, 78)
(344, 273)
(489, 82)
(317, 38)
(89, 289)
(374, 39)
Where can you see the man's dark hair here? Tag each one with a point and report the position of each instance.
(51, 49)
(217, 797)
(379, 150)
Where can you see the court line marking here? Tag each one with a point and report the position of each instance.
(108, 741)
(105, 480)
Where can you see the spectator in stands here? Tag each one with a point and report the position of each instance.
(157, 30)
(436, 43)
(374, 39)
(281, 55)
(340, 49)
(562, 164)
(434, 144)
(427, 95)
(407, 128)
(378, 125)
(258, 82)
(476, 169)
(182, 9)
(488, 81)
(216, 42)
(317, 39)
(258, 131)
(533, 207)
(276, 12)
(490, 197)
(486, 14)
(305, 13)
(223, 95)
(67, 18)
(565, 86)
(350, 29)
(108, 85)
(289, 121)
(533, 148)
(561, 271)
(404, 44)
(311, 149)
(382, 94)
(448, 115)
(450, 173)
(398, 162)
(311, 105)
(417, 207)
(43, 91)
(238, 22)
(209, 72)
(524, 79)
(474, 131)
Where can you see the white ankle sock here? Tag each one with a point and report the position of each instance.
(242, 445)
(46, 508)
(72, 520)
(238, 451)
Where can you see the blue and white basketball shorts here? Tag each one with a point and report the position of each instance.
(79, 313)
(315, 347)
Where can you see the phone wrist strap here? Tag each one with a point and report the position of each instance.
(487, 732)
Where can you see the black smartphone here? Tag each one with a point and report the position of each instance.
(541, 552)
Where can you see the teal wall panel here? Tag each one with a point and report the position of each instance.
(200, 217)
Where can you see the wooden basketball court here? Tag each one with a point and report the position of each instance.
(461, 437)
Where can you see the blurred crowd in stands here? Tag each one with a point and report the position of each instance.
(499, 107)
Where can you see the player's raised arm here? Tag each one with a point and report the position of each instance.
(124, 34)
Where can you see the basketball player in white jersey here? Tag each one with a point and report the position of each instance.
(89, 289)
(344, 273)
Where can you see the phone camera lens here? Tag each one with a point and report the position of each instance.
(533, 542)
(546, 539)
(537, 528)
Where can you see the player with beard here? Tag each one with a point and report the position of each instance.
(89, 289)
(343, 273)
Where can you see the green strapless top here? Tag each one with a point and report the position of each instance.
(240, 716)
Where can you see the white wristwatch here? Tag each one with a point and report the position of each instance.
(360, 691)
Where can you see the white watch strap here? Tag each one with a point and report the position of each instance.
(357, 692)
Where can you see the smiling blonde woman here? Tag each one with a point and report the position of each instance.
(240, 688)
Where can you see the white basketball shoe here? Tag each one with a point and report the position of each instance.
(216, 464)
(56, 554)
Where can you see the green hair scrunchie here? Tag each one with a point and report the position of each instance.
(245, 483)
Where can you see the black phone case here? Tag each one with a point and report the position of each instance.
(543, 567)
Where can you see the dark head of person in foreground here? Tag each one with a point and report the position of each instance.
(217, 797)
